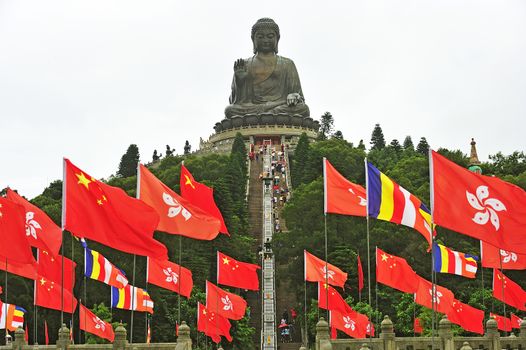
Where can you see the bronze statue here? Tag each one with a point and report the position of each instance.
(266, 82)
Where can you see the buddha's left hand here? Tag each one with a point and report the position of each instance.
(293, 99)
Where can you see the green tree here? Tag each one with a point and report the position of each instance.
(395, 145)
(301, 158)
(423, 147)
(338, 135)
(408, 144)
(361, 145)
(377, 138)
(129, 161)
(326, 126)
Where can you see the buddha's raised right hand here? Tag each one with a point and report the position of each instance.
(240, 68)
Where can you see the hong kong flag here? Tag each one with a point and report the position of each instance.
(317, 270)
(226, 304)
(503, 323)
(106, 214)
(14, 245)
(395, 272)
(178, 215)
(443, 297)
(41, 231)
(169, 275)
(231, 272)
(515, 321)
(508, 291)
(212, 324)
(496, 258)
(483, 207)
(341, 195)
(201, 196)
(330, 299)
(49, 294)
(467, 317)
(91, 323)
(351, 323)
(50, 267)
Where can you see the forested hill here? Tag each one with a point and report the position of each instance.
(408, 166)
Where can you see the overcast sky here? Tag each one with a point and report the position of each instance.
(85, 79)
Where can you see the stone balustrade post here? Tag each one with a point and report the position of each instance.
(303, 347)
(493, 334)
(466, 346)
(120, 342)
(446, 334)
(522, 333)
(184, 342)
(387, 333)
(63, 341)
(20, 339)
(323, 339)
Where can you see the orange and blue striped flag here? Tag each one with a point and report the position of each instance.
(450, 261)
(386, 200)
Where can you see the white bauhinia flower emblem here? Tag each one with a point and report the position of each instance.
(175, 207)
(436, 297)
(508, 256)
(32, 225)
(171, 276)
(349, 323)
(488, 207)
(363, 201)
(227, 304)
(329, 273)
(99, 324)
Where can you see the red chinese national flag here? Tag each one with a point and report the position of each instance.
(352, 323)
(443, 297)
(14, 245)
(508, 291)
(503, 323)
(212, 325)
(395, 272)
(169, 275)
(515, 321)
(226, 304)
(496, 258)
(24, 270)
(417, 326)
(483, 207)
(178, 216)
(341, 195)
(317, 270)
(467, 317)
(91, 323)
(48, 294)
(330, 299)
(41, 231)
(201, 196)
(231, 272)
(50, 267)
(106, 214)
(360, 274)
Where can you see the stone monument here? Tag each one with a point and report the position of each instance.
(266, 101)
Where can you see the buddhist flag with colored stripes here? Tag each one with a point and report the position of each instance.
(131, 298)
(11, 316)
(450, 261)
(97, 267)
(391, 202)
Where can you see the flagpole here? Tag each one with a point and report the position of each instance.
(63, 224)
(35, 299)
(73, 281)
(368, 240)
(133, 289)
(179, 282)
(5, 302)
(503, 296)
(325, 224)
(482, 278)
(432, 200)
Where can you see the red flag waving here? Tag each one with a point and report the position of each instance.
(395, 272)
(360, 274)
(508, 291)
(41, 231)
(467, 317)
(503, 323)
(417, 326)
(14, 245)
(341, 195)
(515, 321)
(352, 323)
(212, 324)
(330, 299)
(494, 257)
(46, 335)
(169, 275)
(443, 297)
(109, 216)
(226, 304)
(48, 294)
(178, 216)
(91, 323)
(24, 270)
(479, 206)
(231, 272)
(201, 196)
(50, 267)
(317, 270)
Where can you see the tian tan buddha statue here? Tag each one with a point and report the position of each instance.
(266, 82)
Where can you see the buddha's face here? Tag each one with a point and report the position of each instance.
(265, 41)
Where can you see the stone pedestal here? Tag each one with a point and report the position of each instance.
(446, 334)
(120, 342)
(323, 340)
(387, 333)
(184, 342)
(20, 339)
(493, 334)
(63, 341)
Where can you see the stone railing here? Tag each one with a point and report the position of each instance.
(444, 341)
(253, 120)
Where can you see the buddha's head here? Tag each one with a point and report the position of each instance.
(265, 36)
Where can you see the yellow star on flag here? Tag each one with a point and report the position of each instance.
(189, 182)
(83, 180)
(42, 281)
(384, 257)
(226, 261)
